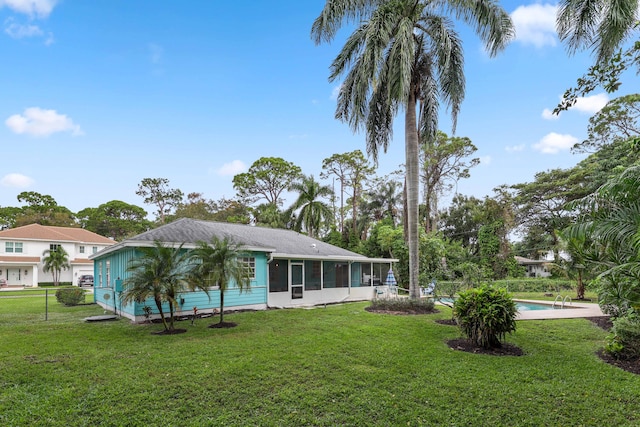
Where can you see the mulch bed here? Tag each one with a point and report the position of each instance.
(170, 332)
(632, 366)
(448, 322)
(400, 313)
(223, 325)
(463, 344)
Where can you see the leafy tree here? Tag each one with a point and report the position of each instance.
(160, 272)
(42, 209)
(8, 215)
(619, 120)
(115, 219)
(352, 170)
(196, 207)
(270, 215)
(443, 162)
(232, 210)
(462, 220)
(266, 179)
(218, 263)
(54, 261)
(155, 191)
(313, 212)
(404, 55)
(382, 200)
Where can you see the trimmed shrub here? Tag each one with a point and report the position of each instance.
(485, 315)
(405, 305)
(70, 296)
(624, 341)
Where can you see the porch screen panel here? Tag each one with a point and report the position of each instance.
(278, 276)
(312, 276)
(356, 275)
(336, 274)
(380, 271)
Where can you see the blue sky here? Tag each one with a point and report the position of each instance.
(97, 95)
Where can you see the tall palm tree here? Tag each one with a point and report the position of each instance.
(405, 54)
(159, 273)
(313, 211)
(599, 24)
(55, 260)
(219, 263)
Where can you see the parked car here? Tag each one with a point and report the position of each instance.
(85, 280)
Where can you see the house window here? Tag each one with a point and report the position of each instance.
(108, 274)
(94, 250)
(100, 275)
(53, 247)
(11, 247)
(81, 249)
(278, 275)
(250, 266)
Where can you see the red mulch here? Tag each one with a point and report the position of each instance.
(464, 344)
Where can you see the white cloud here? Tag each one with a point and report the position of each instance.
(485, 160)
(33, 8)
(536, 24)
(553, 143)
(19, 31)
(591, 104)
(514, 148)
(16, 180)
(233, 168)
(547, 114)
(38, 122)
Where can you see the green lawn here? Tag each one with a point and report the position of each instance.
(331, 366)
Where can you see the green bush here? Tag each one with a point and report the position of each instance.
(406, 305)
(624, 340)
(70, 296)
(485, 315)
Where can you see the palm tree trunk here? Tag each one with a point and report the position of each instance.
(170, 315)
(221, 307)
(412, 184)
(159, 305)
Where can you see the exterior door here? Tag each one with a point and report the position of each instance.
(297, 280)
(14, 276)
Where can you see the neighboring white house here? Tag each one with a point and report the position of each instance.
(534, 267)
(22, 248)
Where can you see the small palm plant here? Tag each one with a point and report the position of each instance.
(485, 315)
(160, 273)
(55, 260)
(218, 264)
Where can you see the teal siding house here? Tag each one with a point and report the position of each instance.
(290, 269)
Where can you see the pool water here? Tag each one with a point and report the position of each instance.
(523, 306)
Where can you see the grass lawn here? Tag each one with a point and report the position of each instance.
(333, 366)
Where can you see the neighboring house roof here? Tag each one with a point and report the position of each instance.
(526, 261)
(20, 259)
(57, 234)
(278, 242)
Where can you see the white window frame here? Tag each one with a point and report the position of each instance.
(250, 265)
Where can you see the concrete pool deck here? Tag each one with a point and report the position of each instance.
(571, 311)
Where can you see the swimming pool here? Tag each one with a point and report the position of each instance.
(524, 306)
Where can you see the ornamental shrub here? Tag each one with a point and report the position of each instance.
(485, 315)
(405, 305)
(70, 296)
(624, 341)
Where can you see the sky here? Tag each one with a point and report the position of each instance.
(98, 95)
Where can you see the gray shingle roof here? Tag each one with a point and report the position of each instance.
(277, 241)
